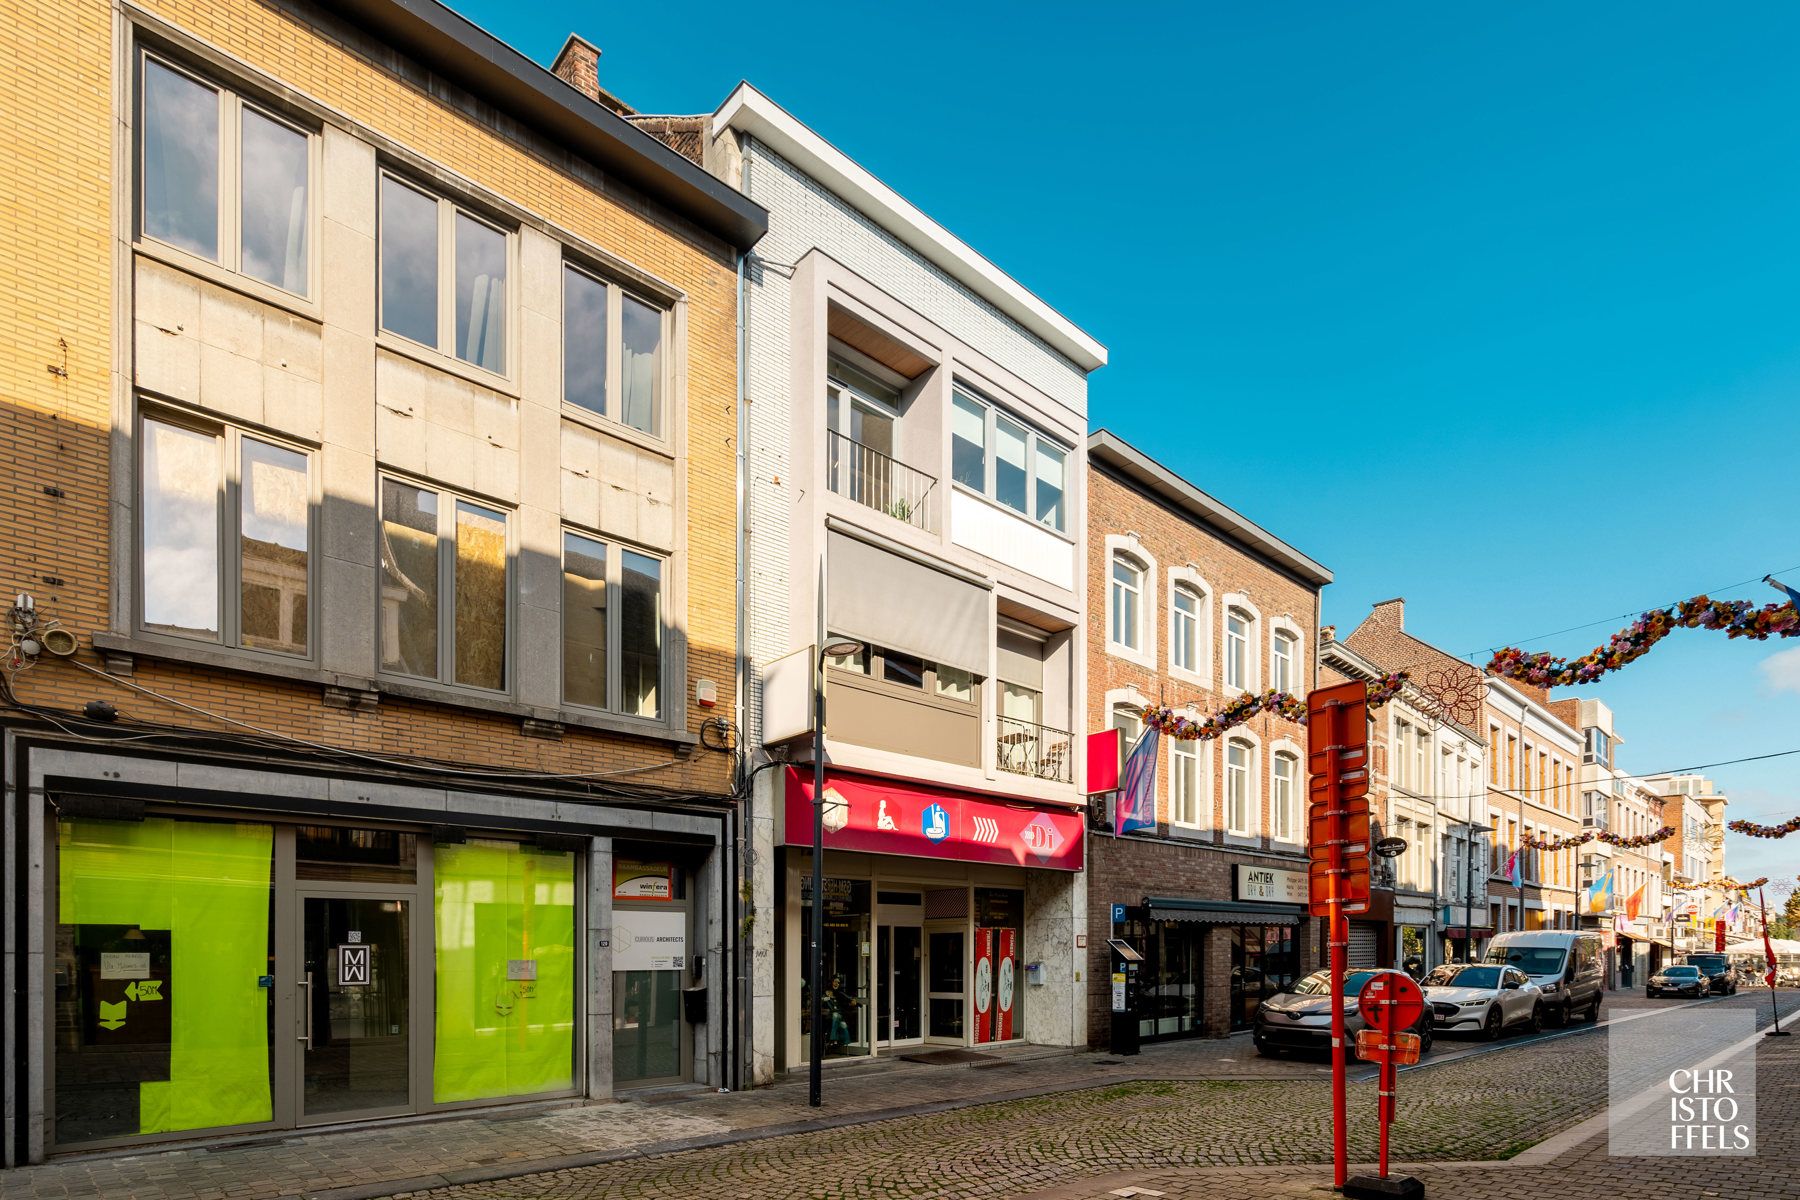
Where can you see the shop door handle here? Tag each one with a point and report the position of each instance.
(306, 1037)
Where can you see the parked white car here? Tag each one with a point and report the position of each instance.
(1485, 998)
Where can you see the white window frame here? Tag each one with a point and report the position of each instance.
(232, 103)
(1189, 579)
(448, 498)
(444, 351)
(1252, 682)
(1250, 831)
(991, 458)
(229, 562)
(1280, 627)
(1144, 654)
(1290, 750)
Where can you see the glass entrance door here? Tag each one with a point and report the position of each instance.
(898, 976)
(946, 969)
(353, 999)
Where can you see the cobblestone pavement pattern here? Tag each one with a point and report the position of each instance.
(1200, 1118)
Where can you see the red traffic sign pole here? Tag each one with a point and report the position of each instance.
(1391, 1004)
(1337, 734)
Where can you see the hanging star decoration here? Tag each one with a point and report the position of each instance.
(1752, 829)
(1611, 839)
(1736, 618)
(1282, 704)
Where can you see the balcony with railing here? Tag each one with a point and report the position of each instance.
(874, 480)
(1037, 751)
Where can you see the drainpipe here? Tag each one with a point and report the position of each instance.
(745, 863)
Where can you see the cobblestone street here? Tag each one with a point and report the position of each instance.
(1193, 1119)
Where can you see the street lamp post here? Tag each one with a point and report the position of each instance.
(815, 972)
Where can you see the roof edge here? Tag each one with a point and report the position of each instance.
(464, 53)
(1107, 447)
(750, 111)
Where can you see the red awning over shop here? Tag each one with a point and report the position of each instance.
(887, 816)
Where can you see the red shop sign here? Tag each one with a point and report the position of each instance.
(882, 816)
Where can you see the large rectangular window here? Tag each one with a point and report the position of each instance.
(593, 677)
(612, 351)
(1185, 791)
(225, 537)
(505, 995)
(222, 178)
(444, 276)
(162, 929)
(1026, 471)
(434, 545)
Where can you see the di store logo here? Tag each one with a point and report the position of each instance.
(1682, 1083)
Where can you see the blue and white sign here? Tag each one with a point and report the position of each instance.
(1118, 914)
(935, 821)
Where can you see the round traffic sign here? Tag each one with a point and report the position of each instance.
(1396, 992)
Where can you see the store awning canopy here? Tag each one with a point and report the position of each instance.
(1222, 912)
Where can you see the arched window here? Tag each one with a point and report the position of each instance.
(1126, 602)
(1285, 803)
(1240, 786)
(1127, 719)
(1237, 648)
(1283, 656)
(1187, 617)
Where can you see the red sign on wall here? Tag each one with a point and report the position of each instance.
(1005, 979)
(983, 999)
(884, 816)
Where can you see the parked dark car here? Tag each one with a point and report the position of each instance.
(1717, 969)
(1300, 1018)
(1678, 981)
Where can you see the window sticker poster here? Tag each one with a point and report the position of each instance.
(649, 941)
(634, 880)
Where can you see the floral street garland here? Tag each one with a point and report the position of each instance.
(1611, 839)
(1751, 828)
(1283, 704)
(1738, 618)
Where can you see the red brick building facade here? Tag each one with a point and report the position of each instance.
(1191, 605)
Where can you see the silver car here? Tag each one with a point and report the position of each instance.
(1484, 998)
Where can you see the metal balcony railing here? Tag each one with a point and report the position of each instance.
(872, 479)
(1027, 748)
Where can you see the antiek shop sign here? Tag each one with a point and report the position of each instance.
(1271, 885)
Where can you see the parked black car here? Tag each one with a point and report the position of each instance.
(1678, 981)
(1300, 1017)
(1717, 969)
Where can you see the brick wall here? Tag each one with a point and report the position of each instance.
(57, 199)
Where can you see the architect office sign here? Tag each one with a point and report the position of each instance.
(1270, 885)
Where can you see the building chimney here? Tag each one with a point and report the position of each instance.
(578, 65)
(1391, 612)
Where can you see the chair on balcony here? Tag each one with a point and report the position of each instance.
(1050, 766)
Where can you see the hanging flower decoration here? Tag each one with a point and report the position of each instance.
(1737, 618)
(1286, 705)
(1752, 829)
(1611, 839)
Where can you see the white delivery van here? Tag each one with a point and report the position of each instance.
(1564, 963)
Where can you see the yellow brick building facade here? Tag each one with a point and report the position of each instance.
(365, 775)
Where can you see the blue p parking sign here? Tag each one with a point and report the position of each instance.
(1118, 914)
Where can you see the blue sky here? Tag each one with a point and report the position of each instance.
(1495, 309)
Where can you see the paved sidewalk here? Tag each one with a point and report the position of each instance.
(1049, 1117)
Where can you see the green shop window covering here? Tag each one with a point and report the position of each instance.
(504, 912)
(163, 938)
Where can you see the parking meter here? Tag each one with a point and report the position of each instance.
(1125, 964)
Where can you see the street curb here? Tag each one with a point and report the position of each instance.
(493, 1172)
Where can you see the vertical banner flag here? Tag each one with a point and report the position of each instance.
(1635, 902)
(1512, 869)
(1768, 946)
(1599, 896)
(1137, 791)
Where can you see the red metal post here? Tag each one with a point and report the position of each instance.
(1386, 1100)
(1340, 1142)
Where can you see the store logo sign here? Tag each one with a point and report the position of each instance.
(1040, 837)
(935, 822)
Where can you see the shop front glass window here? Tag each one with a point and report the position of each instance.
(162, 939)
(845, 970)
